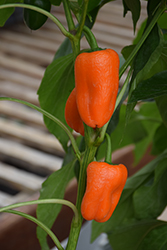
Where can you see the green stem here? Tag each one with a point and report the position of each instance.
(82, 20)
(44, 12)
(70, 21)
(143, 38)
(44, 201)
(90, 37)
(40, 224)
(75, 228)
(109, 149)
(123, 89)
(53, 118)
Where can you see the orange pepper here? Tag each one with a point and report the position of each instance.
(72, 116)
(96, 82)
(105, 183)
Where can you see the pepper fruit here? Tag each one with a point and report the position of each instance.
(96, 82)
(72, 116)
(33, 19)
(105, 183)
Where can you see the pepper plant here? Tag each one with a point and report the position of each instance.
(134, 223)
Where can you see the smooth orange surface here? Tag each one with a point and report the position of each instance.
(96, 82)
(72, 116)
(105, 183)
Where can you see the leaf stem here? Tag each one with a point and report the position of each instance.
(82, 20)
(44, 12)
(143, 38)
(75, 228)
(53, 118)
(70, 21)
(44, 201)
(40, 224)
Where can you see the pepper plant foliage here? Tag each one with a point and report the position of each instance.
(134, 225)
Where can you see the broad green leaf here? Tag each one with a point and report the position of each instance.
(93, 4)
(56, 85)
(124, 210)
(64, 49)
(150, 119)
(140, 32)
(53, 187)
(6, 13)
(126, 51)
(56, 2)
(151, 88)
(162, 104)
(131, 236)
(156, 239)
(159, 140)
(135, 7)
(151, 199)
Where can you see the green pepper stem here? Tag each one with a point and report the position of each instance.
(90, 37)
(53, 118)
(44, 12)
(109, 149)
(70, 21)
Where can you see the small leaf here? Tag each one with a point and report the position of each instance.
(151, 88)
(56, 85)
(159, 140)
(135, 7)
(53, 187)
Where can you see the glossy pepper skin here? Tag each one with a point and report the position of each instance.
(72, 116)
(96, 82)
(33, 19)
(105, 183)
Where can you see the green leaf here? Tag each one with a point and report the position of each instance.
(64, 49)
(53, 187)
(6, 13)
(156, 239)
(126, 51)
(151, 88)
(159, 140)
(55, 2)
(93, 4)
(56, 85)
(151, 199)
(150, 119)
(162, 104)
(131, 236)
(135, 7)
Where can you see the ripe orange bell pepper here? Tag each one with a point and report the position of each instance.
(72, 116)
(96, 82)
(105, 183)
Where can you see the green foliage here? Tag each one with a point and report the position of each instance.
(135, 7)
(55, 2)
(56, 85)
(53, 187)
(162, 104)
(6, 13)
(131, 236)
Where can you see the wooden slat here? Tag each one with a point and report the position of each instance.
(31, 158)
(20, 92)
(19, 179)
(22, 113)
(31, 136)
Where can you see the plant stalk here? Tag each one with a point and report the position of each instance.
(76, 227)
